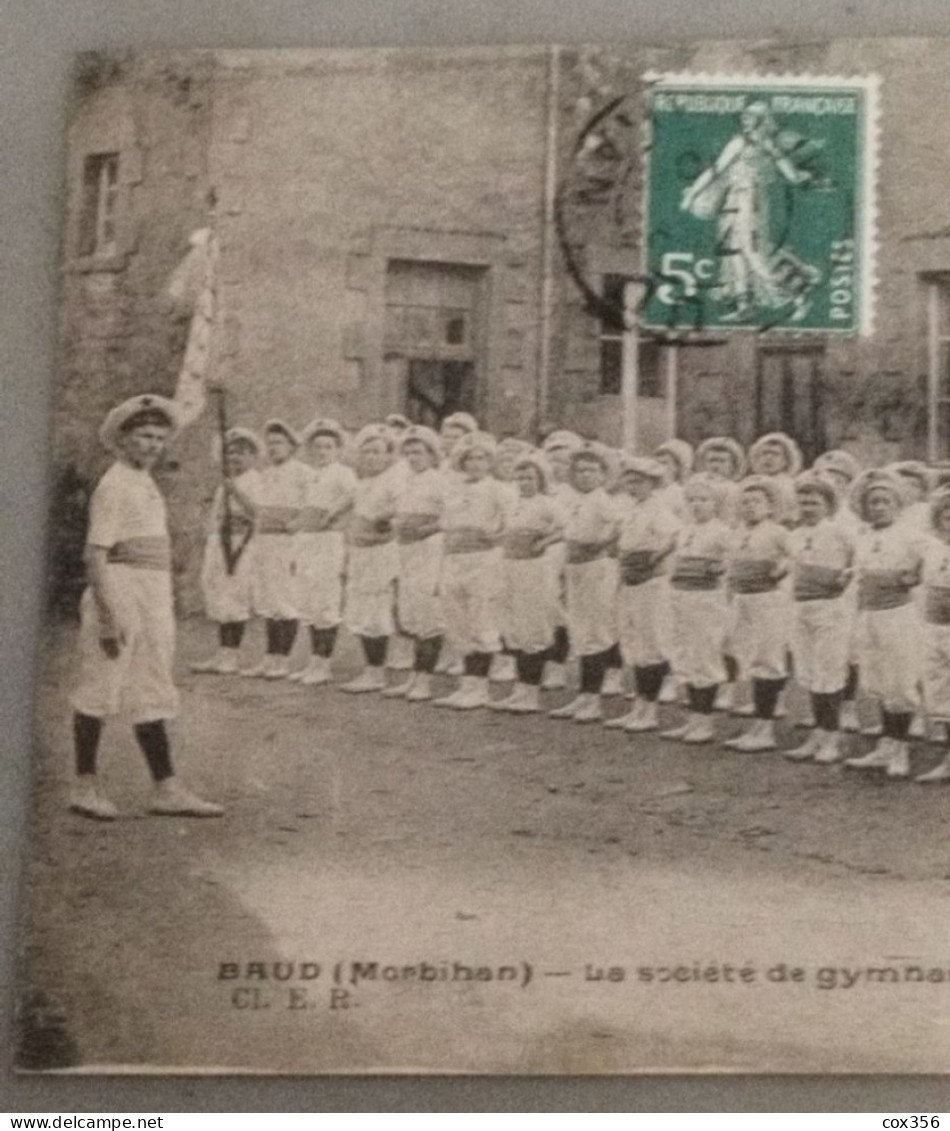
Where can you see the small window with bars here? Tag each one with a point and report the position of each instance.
(97, 229)
(650, 381)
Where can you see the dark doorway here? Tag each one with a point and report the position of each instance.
(788, 395)
(435, 389)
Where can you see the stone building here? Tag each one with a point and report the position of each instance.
(418, 231)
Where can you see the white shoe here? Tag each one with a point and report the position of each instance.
(279, 669)
(529, 703)
(878, 759)
(744, 711)
(807, 751)
(701, 732)
(937, 776)
(510, 701)
(613, 683)
(569, 709)
(297, 676)
(829, 750)
(370, 679)
(317, 672)
(223, 662)
(555, 677)
(621, 722)
(502, 669)
(758, 739)
(259, 670)
(875, 730)
(898, 765)
(85, 798)
(677, 734)
(399, 690)
(849, 717)
(670, 691)
(647, 720)
(421, 690)
(459, 693)
(725, 697)
(590, 711)
(475, 696)
(170, 799)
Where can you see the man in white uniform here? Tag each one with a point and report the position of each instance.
(127, 633)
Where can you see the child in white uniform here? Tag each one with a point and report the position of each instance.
(760, 612)
(648, 530)
(509, 451)
(320, 551)
(227, 569)
(419, 507)
(936, 605)
(127, 631)
(822, 562)
(698, 605)
(590, 534)
(677, 457)
(841, 469)
(534, 525)
(778, 457)
(280, 494)
(372, 557)
(889, 565)
(473, 523)
(557, 449)
(723, 459)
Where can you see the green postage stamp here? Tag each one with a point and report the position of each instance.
(760, 209)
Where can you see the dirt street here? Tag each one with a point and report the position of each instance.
(656, 900)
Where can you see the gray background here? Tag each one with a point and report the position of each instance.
(39, 38)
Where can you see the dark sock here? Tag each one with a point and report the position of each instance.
(288, 636)
(478, 664)
(87, 730)
(851, 686)
(375, 649)
(322, 641)
(272, 631)
(649, 680)
(705, 699)
(732, 668)
(765, 693)
(592, 672)
(530, 666)
(427, 654)
(613, 657)
(153, 741)
(827, 708)
(224, 635)
(558, 651)
(897, 724)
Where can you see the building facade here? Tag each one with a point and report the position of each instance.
(425, 231)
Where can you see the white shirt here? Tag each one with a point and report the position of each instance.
(126, 504)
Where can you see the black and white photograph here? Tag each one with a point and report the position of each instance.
(497, 616)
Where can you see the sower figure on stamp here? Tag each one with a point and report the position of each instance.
(227, 569)
(127, 633)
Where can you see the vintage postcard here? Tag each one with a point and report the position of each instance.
(499, 598)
